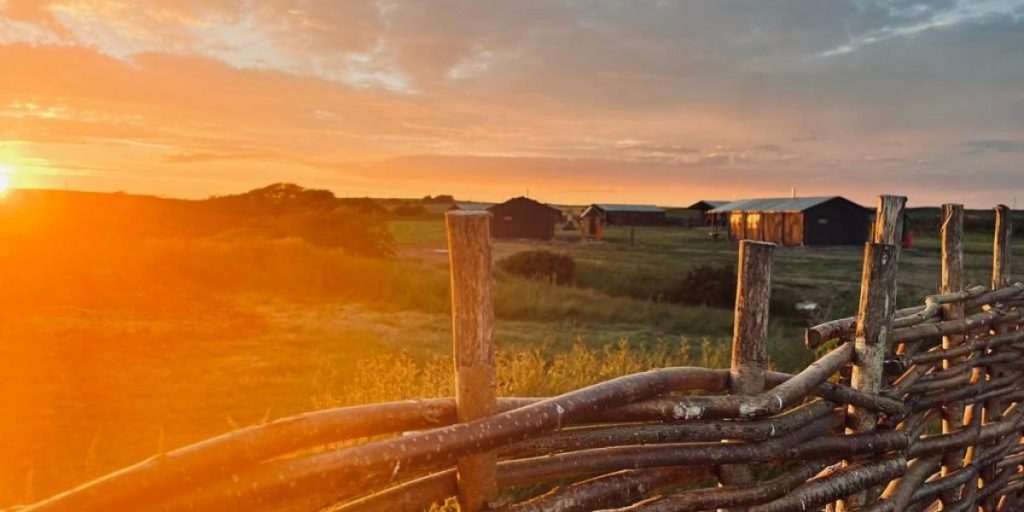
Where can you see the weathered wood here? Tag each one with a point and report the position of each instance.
(469, 249)
(888, 228)
(732, 496)
(608, 490)
(1000, 279)
(750, 334)
(952, 281)
(874, 327)
(874, 324)
(1001, 248)
(750, 326)
(583, 438)
(842, 483)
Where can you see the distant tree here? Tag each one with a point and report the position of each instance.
(363, 205)
(439, 199)
(275, 199)
(287, 210)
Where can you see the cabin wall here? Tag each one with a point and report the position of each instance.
(634, 218)
(523, 219)
(738, 225)
(793, 229)
(836, 222)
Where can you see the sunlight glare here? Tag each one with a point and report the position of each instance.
(5, 179)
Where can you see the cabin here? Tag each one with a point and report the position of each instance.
(802, 221)
(626, 214)
(522, 217)
(704, 206)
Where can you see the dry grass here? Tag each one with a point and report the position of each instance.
(521, 371)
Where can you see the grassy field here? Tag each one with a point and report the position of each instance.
(112, 352)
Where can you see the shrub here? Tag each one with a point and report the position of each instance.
(409, 210)
(706, 285)
(540, 265)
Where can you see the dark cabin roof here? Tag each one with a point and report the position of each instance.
(777, 204)
(707, 203)
(526, 199)
(625, 208)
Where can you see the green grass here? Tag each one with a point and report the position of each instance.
(417, 231)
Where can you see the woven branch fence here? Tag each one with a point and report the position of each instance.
(915, 409)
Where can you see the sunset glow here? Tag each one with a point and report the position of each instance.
(663, 102)
(5, 179)
(484, 255)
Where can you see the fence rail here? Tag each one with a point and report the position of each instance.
(928, 416)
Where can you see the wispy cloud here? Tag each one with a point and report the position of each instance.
(996, 146)
(907, 20)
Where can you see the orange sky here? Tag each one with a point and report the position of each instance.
(611, 101)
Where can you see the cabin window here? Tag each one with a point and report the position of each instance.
(822, 220)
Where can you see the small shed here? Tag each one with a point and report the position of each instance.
(626, 214)
(830, 220)
(713, 219)
(522, 217)
(706, 204)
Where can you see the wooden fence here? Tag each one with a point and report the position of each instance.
(912, 409)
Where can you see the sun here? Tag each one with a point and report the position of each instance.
(5, 179)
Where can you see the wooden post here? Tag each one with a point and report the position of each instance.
(750, 334)
(952, 282)
(874, 319)
(874, 324)
(469, 248)
(1001, 248)
(888, 228)
(1000, 279)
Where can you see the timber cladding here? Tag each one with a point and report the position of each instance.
(813, 221)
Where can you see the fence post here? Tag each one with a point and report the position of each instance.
(874, 319)
(888, 228)
(750, 334)
(1001, 248)
(952, 282)
(1000, 279)
(469, 249)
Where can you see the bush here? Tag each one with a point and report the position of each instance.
(409, 210)
(342, 228)
(706, 285)
(540, 265)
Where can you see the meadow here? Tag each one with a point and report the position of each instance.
(114, 348)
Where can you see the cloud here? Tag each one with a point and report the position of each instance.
(903, 19)
(996, 146)
(321, 90)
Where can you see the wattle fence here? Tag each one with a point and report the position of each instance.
(912, 409)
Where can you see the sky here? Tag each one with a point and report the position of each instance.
(568, 101)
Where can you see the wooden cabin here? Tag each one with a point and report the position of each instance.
(811, 221)
(715, 220)
(522, 217)
(626, 214)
